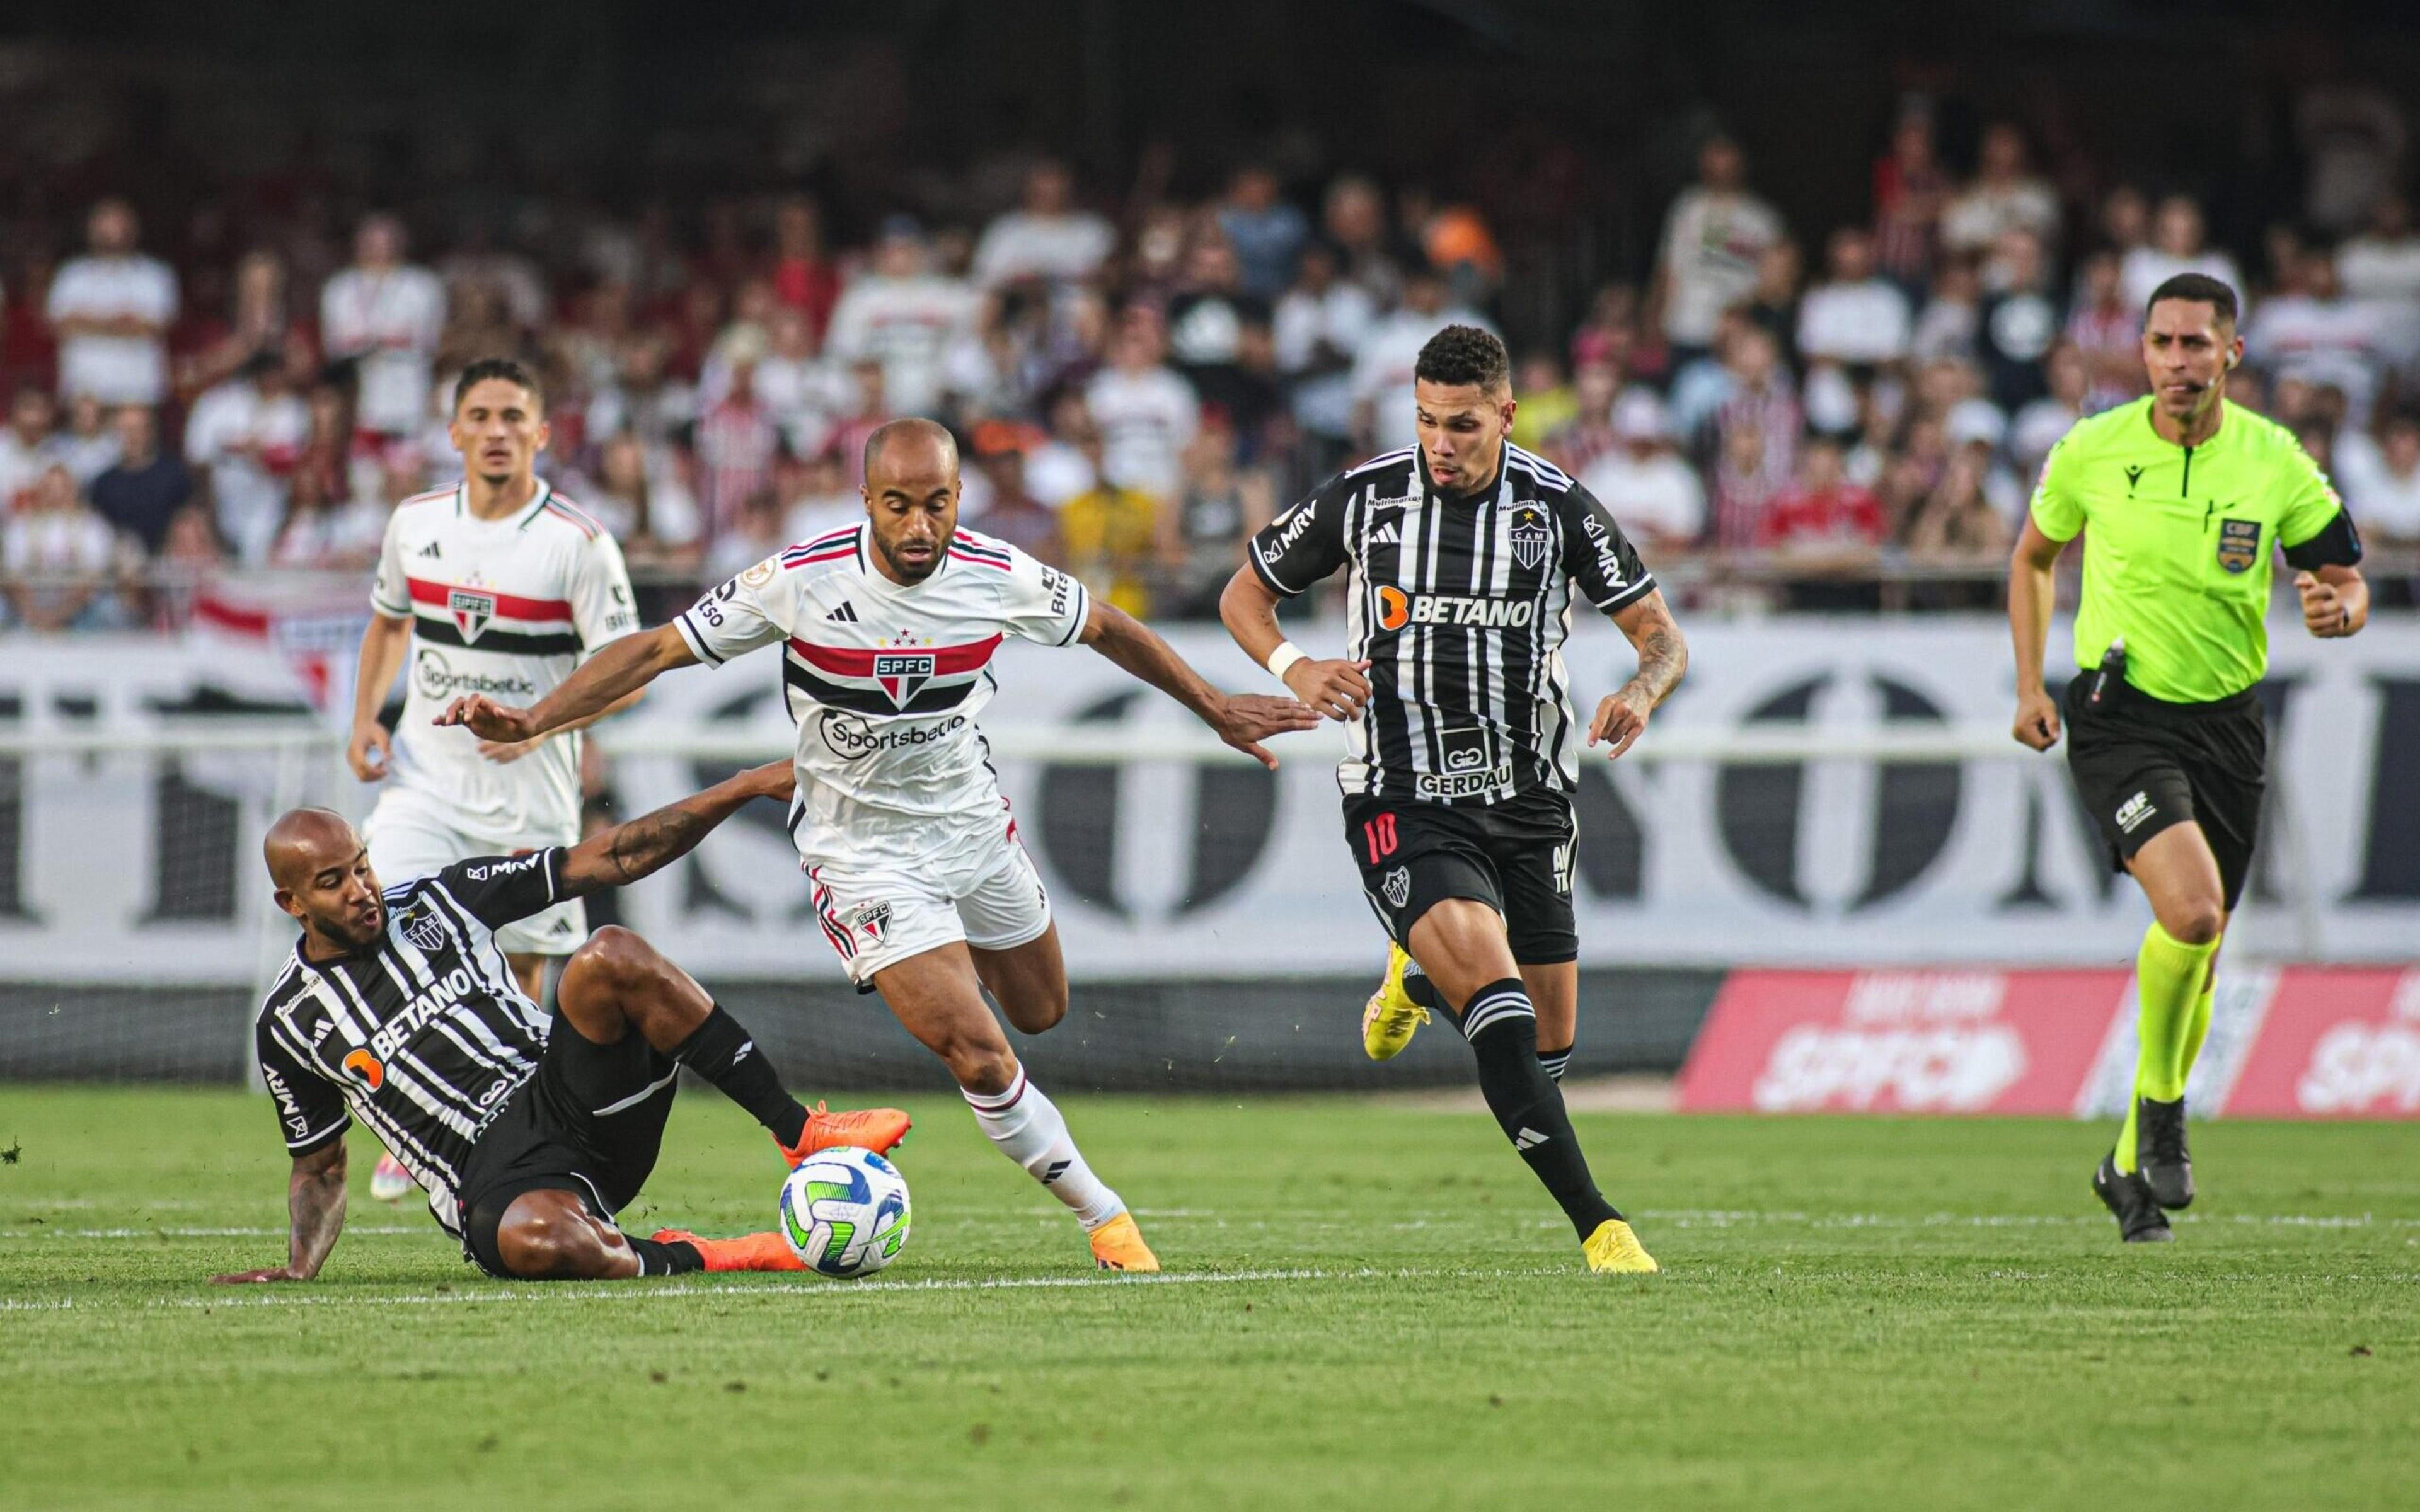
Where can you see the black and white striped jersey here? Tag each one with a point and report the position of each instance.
(1461, 605)
(422, 1034)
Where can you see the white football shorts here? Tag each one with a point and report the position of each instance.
(878, 913)
(409, 837)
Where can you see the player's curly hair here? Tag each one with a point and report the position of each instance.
(1464, 354)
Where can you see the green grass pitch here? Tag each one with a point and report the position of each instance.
(1369, 1304)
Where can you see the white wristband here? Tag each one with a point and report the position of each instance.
(1285, 655)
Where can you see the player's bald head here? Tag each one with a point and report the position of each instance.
(909, 447)
(305, 841)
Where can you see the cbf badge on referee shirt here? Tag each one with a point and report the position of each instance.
(2238, 543)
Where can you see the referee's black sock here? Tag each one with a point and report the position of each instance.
(724, 1052)
(1502, 1028)
(672, 1256)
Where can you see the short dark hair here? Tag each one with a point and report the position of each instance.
(907, 425)
(2200, 289)
(496, 367)
(1464, 354)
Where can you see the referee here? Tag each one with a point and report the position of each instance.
(2185, 497)
(1463, 557)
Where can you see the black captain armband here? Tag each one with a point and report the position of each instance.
(2337, 545)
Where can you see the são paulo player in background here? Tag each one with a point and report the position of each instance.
(887, 629)
(495, 585)
(529, 1134)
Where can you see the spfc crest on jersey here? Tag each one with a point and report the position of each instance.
(424, 929)
(903, 672)
(1531, 539)
(2238, 543)
(472, 610)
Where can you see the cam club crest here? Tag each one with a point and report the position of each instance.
(1398, 885)
(1531, 539)
(472, 610)
(426, 932)
(2238, 543)
(903, 672)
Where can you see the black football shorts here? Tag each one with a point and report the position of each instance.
(2142, 764)
(1516, 856)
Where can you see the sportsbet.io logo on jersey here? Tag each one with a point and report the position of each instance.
(435, 678)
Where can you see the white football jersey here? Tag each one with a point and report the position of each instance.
(506, 608)
(885, 680)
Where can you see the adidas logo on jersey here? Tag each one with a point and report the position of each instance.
(428, 550)
(1528, 1138)
(847, 613)
(1387, 534)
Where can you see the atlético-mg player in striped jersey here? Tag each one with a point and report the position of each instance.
(1463, 558)
(496, 585)
(886, 633)
(531, 1133)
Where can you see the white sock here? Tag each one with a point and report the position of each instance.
(1028, 1129)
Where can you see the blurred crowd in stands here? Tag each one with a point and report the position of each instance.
(1138, 386)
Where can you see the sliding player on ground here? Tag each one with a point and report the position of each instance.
(887, 629)
(396, 1009)
(496, 585)
(2182, 498)
(1462, 555)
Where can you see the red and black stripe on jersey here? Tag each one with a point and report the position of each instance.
(483, 618)
(1461, 605)
(886, 679)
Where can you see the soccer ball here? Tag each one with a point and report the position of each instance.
(845, 1212)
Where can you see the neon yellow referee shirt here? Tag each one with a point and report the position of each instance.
(2180, 542)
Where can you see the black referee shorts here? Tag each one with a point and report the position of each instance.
(1515, 856)
(2142, 763)
(590, 1121)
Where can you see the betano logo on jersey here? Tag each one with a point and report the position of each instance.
(1398, 608)
(365, 1068)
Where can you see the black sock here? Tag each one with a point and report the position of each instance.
(723, 1053)
(671, 1258)
(1417, 987)
(1556, 1062)
(1502, 1028)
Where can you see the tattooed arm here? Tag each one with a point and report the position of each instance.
(1663, 656)
(627, 852)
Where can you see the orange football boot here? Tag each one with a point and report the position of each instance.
(879, 1130)
(1117, 1245)
(749, 1252)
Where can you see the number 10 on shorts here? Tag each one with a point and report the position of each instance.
(1379, 834)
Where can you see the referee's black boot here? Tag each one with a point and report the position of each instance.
(2128, 1197)
(2160, 1152)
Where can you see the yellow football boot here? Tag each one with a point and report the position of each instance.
(1614, 1248)
(1390, 1018)
(1117, 1245)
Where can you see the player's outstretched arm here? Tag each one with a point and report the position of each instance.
(649, 844)
(315, 1208)
(1242, 720)
(621, 668)
(1336, 690)
(1663, 656)
(2031, 597)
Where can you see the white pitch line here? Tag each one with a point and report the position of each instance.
(485, 1292)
